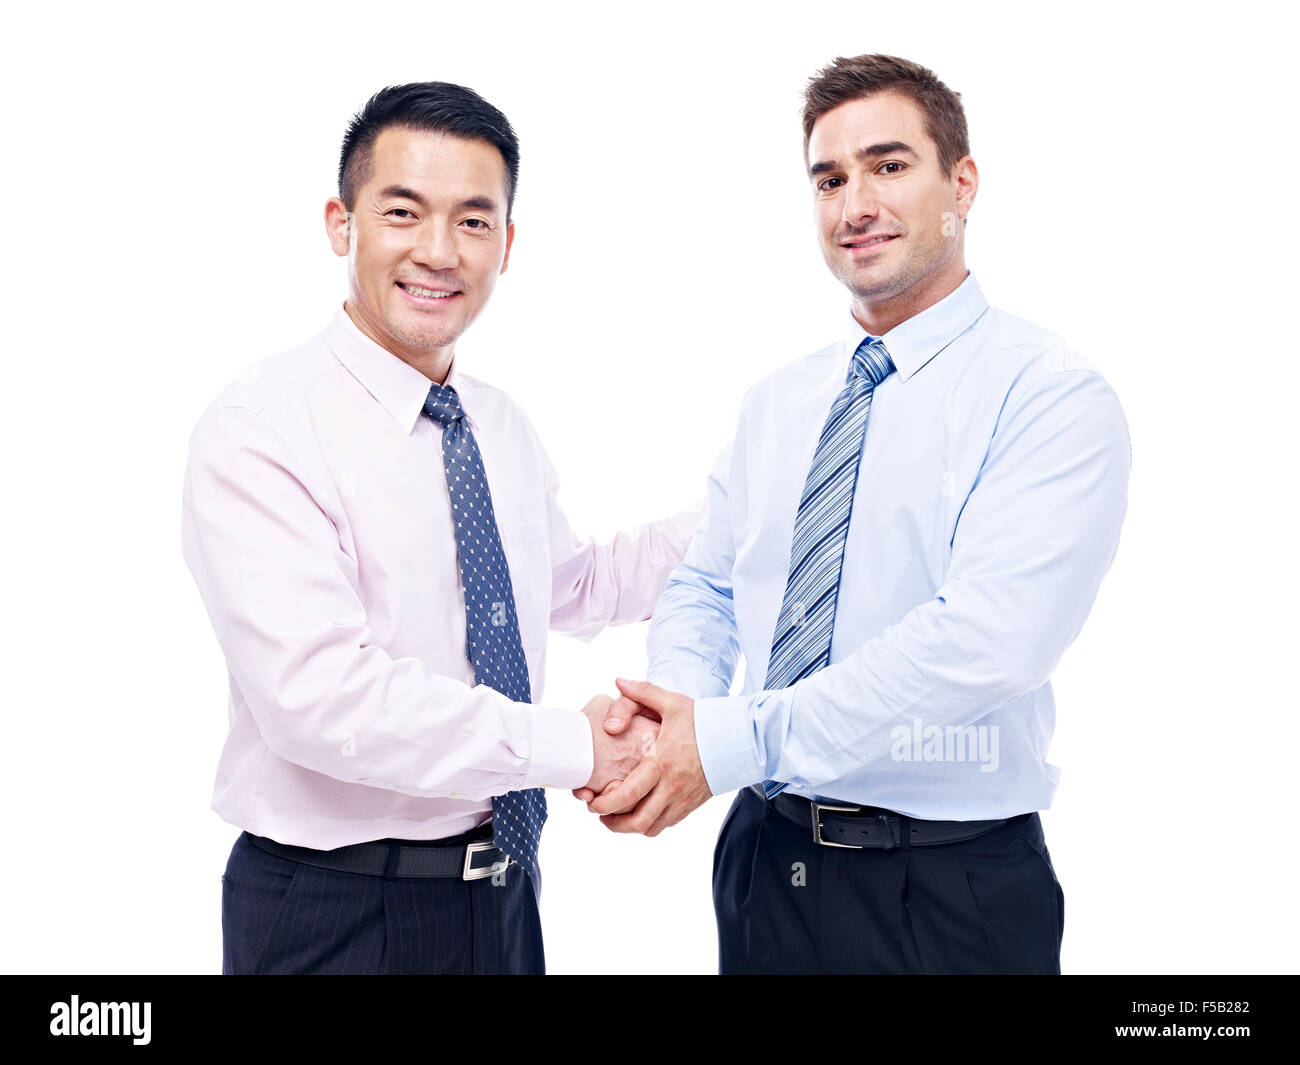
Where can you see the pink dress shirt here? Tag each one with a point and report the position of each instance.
(317, 525)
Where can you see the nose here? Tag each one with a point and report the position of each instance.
(860, 204)
(435, 246)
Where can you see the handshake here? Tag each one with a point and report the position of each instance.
(647, 773)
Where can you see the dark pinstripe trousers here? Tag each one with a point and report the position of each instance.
(282, 916)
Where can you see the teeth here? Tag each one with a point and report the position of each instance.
(427, 293)
(874, 240)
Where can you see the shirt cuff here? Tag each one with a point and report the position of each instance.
(563, 756)
(724, 735)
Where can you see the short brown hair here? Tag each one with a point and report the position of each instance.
(865, 75)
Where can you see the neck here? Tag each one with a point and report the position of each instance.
(878, 317)
(434, 363)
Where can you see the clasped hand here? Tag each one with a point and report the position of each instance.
(651, 777)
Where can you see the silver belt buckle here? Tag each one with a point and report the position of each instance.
(470, 873)
(817, 808)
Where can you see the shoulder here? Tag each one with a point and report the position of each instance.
(277, 380)
(787, 385)
(1039, 375)
(1026, 358)
(268, 401)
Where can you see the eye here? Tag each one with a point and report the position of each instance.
(400, 213)
(829, 184)
(892, 162)
(477, 223)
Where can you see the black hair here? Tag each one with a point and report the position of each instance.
(433, 106)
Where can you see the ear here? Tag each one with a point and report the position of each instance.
(338, 225)
(966, 179)
(510, 239)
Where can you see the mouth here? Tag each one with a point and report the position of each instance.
(424, 296)
(867, 245)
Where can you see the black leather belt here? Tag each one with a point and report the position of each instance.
(859, 827)
(471, 859)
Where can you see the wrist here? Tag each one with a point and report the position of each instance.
(563, 753)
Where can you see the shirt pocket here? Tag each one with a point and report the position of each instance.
(528, 553)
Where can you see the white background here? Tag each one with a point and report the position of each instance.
(165, 176)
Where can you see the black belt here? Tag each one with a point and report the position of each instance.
(858, 827)
(468, 859)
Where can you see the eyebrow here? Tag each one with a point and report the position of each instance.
(871, 151)
(474, 203)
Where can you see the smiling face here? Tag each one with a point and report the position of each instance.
(426, 242)
(889, 219)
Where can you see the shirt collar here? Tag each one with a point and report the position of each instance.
(398, 386)
(916, 341)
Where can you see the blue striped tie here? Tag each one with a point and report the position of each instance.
(492, 641)
(801, 644)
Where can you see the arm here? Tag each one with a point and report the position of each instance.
(282, 597)
(692, 644)
(1036, 535)
(595, 585)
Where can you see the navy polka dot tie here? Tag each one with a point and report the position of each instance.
(492, 642)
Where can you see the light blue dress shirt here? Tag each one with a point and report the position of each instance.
(991, 490)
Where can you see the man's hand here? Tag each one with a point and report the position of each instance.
(669, 782)
(616, 755)
(618, 716)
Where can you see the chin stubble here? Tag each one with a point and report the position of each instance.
(422, 341)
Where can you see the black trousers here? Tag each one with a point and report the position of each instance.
(786, 904)
(282, 916)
